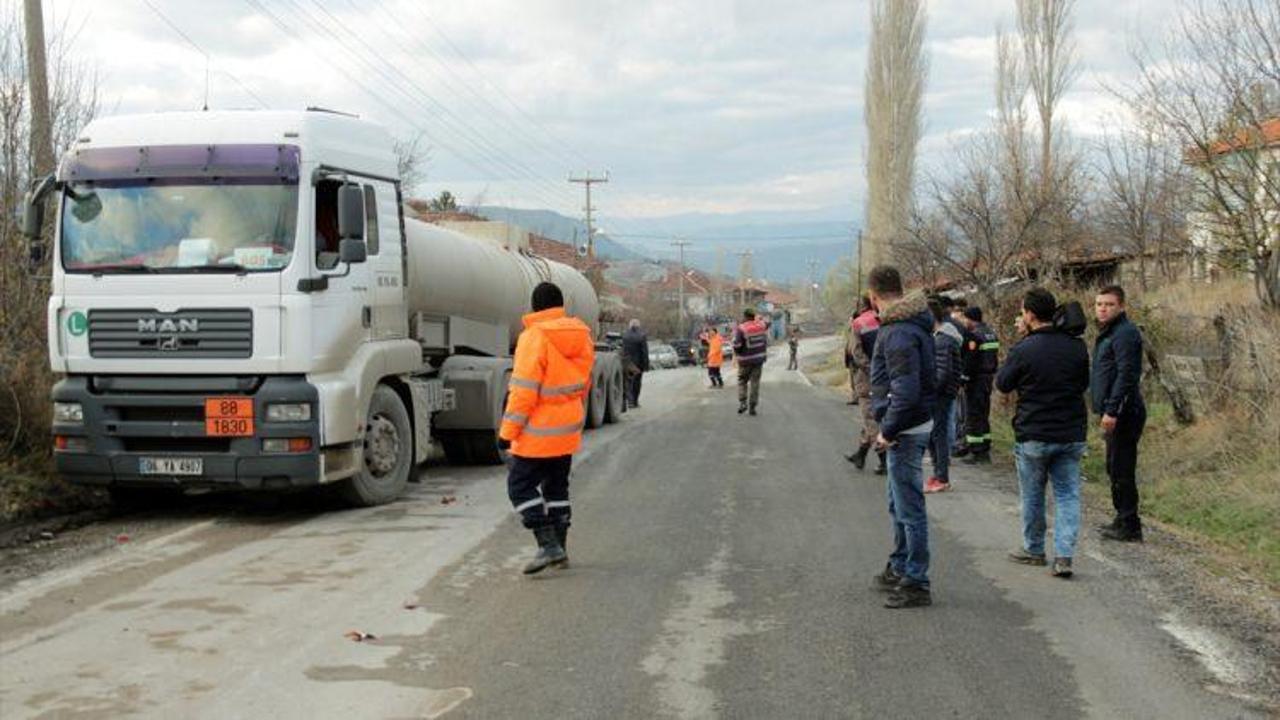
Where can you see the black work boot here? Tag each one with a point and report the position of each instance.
(1113, 525)
(549, 550)
(909, 595)
(886, 580)
(1123, 533)
(752, 411)
(881, 467)
(562, 535)
(742, 407)
(859, 457)
(978, 457)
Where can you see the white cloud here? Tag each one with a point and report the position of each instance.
(707, 105)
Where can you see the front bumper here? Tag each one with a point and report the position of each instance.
(127, 418)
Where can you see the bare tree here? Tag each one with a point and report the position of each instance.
(24, 375)
(1044, 30)
(896, 73)
(411, 162)
(1214, 85)
(1144, 193)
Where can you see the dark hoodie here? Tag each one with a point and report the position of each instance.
(902, 366)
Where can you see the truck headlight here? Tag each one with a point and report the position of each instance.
(68, 413)
(288, 412)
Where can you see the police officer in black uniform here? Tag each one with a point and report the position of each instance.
(982, 359)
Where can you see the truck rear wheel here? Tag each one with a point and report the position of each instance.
(596, 400)
(388, 453)
(614, 407)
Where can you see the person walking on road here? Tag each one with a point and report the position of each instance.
(862, 333)
(946, 360)
(850, 341)
(1116, 390)
(1049, 370)
(793, 346)
(635, 360)
(902, 377)
(982, 360)
(751, 349)
(542, 425)
(715, 355)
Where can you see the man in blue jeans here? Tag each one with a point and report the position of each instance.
(1049, 370)
(902, 396)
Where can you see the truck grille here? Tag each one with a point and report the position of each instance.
(204, 333)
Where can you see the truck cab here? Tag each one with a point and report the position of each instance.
(227, 294)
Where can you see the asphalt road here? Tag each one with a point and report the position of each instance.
(721, 567)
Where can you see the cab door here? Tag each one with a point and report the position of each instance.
(387, 315)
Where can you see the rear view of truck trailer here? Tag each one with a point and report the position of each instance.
(239, 301)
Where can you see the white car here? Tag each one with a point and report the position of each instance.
(662, 355)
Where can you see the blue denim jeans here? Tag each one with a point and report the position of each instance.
(910, 556)
(941, 438)
(1058, 463)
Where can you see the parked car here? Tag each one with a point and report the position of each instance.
(685, 352)
(662, 355)
(613, 339)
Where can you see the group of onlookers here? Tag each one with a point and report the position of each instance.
(913, 358)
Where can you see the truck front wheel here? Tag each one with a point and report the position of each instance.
(387, 457)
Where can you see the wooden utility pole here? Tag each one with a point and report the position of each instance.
(744, 267)
(38, 86)
(587, 181)
(681, 244)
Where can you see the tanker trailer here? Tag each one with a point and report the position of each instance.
(466, 298)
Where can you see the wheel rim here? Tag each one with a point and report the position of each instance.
(381, 446)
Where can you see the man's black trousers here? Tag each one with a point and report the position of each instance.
(977, 414)
(1122, 467)
(539, 490)
(633, 389)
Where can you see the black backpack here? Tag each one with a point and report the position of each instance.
(1070, 319)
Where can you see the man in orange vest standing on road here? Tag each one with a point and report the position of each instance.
(751, 348)
(715, 355)
(543, 421)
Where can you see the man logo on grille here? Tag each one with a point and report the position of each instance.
(183, 325)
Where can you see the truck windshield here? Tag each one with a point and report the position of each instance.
(178, 226)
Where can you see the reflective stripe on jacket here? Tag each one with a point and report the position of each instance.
(546, 405)
(751, 342)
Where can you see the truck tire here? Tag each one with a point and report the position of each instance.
(484, 448)
(596, 400)
(388, 453)
(615, 405)
(457, 448)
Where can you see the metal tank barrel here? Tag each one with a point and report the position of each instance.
(455, 274)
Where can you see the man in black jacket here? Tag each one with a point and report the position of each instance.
(1049, 370)
(1116, 389)
(635, 360)
(947, 342)
(902, 377)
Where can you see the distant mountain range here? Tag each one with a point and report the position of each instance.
(782, 243)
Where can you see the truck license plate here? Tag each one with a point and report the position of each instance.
(170, 466)
(228, 417)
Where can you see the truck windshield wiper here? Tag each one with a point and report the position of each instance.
(231, 268)
(120, 268)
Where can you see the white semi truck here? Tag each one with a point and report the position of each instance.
(238, 300)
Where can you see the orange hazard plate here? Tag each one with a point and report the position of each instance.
(228, 417)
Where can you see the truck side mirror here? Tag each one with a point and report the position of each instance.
(350, 213)
(33, 208)
(32, 219)
(352, 251)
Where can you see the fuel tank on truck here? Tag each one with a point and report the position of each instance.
(455, 274)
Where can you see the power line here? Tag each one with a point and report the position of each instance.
(481, 161)
(172, 26)
(478, 141)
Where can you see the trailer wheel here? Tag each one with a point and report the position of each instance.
(614, 408)
(595, 403)
(388, 453)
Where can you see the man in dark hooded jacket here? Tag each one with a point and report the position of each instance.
(635, 358)
(902, 394)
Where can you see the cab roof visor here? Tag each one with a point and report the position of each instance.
(248, 161)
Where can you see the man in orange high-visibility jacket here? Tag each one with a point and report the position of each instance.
(543, 421)
(715, 356)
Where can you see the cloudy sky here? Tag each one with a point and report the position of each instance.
(708, 106)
